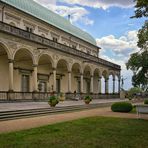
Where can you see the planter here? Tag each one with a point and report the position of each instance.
(61, 97)
(87, 101)
(53, 101)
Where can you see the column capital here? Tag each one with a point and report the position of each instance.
(10, 61)
(69, 71)
(35, 65)
(106, 79)
(81, 74)
(100, 77)
(53, 68)
(114, 79)
(91, 76)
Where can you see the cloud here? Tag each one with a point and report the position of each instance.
(123, 45)
(104, 4)
(77, 13)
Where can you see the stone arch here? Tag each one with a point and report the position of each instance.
(63, 61)
(75, 64)
(5, 58)
(97, 71)
(105, 74)
(76, 71)
(49, 58)
(87, 73)
(24, 60)
(29, 51)
(88, 68)
(6, 48)
(96, 80)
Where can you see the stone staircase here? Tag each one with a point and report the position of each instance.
(16, 114)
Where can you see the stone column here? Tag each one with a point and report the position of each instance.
(92, 84)
(35, 79)
(113, 85)
(54, 79)
(106, 86)
(100, 85)
(69, 81)
(11, 75)
(119, 86)
(82, 90)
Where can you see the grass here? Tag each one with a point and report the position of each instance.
(94, 132)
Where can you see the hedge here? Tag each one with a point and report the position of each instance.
(146, 101)
(121, 107)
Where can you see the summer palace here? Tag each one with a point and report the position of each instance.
(42, 52)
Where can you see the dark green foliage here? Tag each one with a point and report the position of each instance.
(121, 107)
(88, 98)
(146, 101)
(133, 92)
(138, 63)
(143, 35)
(141, 8)
(53, 100)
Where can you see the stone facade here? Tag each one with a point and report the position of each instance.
(38, 57)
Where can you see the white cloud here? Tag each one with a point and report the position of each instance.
(77, 13)
(120, 46)
(102, 3)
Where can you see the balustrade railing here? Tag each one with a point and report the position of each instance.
(49, 43)
(43, 96)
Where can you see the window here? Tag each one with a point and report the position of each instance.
(29, 29)
(58, 85)
(55, 39)
(42, 86)
(78, 86)
(74, 46)
(25, 83)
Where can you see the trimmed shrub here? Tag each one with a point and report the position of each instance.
(53, 100)
(122, 107)
(146, 101)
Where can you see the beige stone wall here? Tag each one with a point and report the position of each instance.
(4, 81)
(29, 56)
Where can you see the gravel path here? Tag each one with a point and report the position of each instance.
(27, 123)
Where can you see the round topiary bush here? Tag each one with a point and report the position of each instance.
(146, 101)
(121, 107)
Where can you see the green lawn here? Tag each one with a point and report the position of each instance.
(92, 132)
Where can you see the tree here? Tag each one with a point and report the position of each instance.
(143, 36)
(141, 8)
(138, 61)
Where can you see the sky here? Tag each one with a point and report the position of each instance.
(109, 22)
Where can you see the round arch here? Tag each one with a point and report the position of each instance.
(105, 74)
(49, 58)
(27, 51)
(63, 63)
(76, 66)
(7, 50)
(88, 69)
(5, 56)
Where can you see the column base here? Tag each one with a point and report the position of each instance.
(11, 91)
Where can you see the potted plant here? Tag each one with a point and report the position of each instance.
(87, 99)
(53, 101)
(61, 96)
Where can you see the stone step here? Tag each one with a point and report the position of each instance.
(10, 115)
